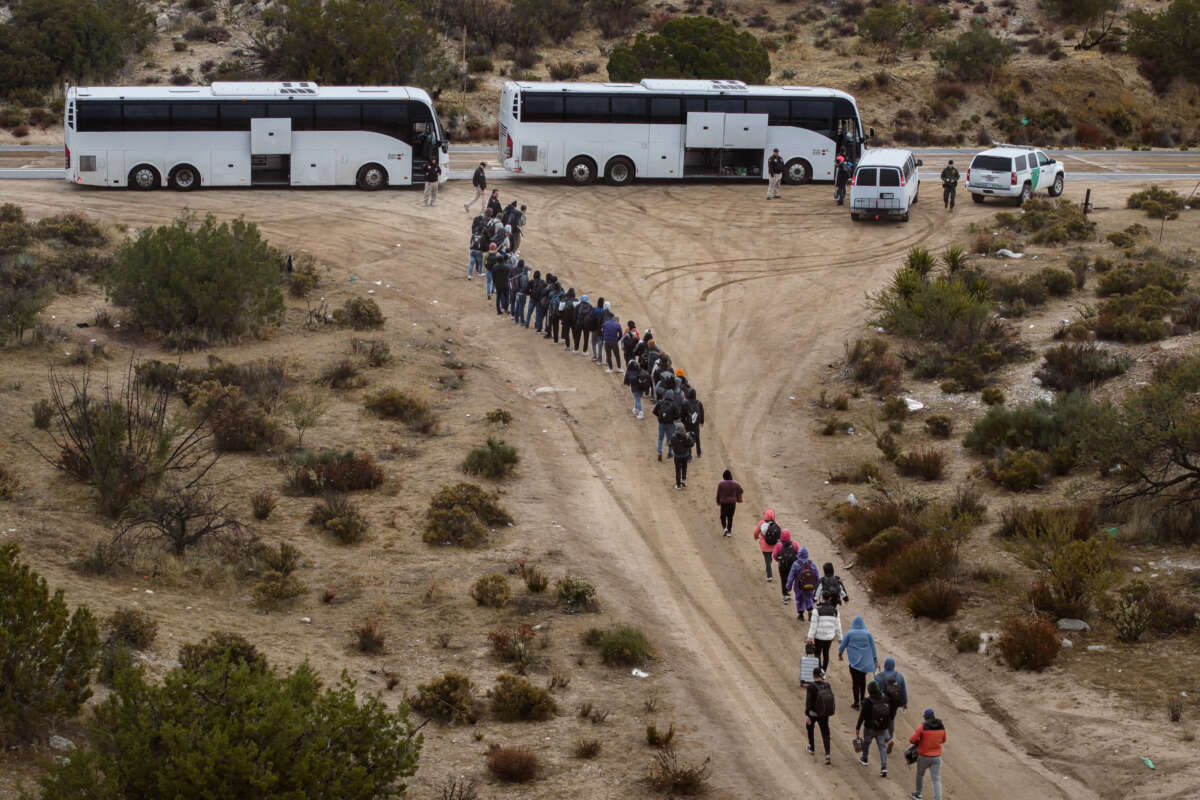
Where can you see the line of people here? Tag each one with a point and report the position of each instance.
(559, 314)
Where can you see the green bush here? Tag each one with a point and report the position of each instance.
(1038, 522)
(71, 229)
(517, 700)
(615, 17)
(1079, 365)
(262, 503)
(25, 287)
(512, 764)
(1058, 282)
(459, 515)
(131, 627)
(341, 518)
(939, 426)
(209, 281)
(376, 352)
(975, 55)
(883, 546)
(692, 47)
(47, 655)
(284, 559)
(494, 460)
(480, 64)
(576, 593)
(1019, 470)
(241, 426)
(1076, 571)
(275, 588)
(862, 522)
(926, 463)
(936, 600)
(359, 314)
(315, 471)
(1028, 642)
(304, 277)
(1050, 221)
(620, 645)
(1132, 278)
(492, 591)
(1157, 203)
(450, 698)
(932, 556)
(413, 412)
(1168, 42)
(968, 642)
(896, 25)
(1044, 425)
(221, 648)
(265, 734)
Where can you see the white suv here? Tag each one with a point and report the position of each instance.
(1013, 171)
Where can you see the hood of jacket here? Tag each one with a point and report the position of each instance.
(804, 554)
(889, 665)
(858, 624)
(932, 724)
(786, 536)
(768, 515)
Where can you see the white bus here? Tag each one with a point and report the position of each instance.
(250, 134)
(674, 129)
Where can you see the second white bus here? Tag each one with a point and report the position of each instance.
(251, 134)
(674, 129)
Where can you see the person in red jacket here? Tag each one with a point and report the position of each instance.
(729, 494)
(929, 737)
(767, 534)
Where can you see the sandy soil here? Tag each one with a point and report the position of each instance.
(754, 301)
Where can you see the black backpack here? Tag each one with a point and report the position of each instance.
(787, 557)
(693, 414)
(881, 714)
(643, 382)
(894, 692)
(771, 534)
(583, 312)
(831, 590)
(666, 412)
(824, 706)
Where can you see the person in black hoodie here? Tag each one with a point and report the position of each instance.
(873, 719)
(479, 181)
(566, 316)
(536, 311)
(818, 708)
(693, 417)
(494, 203)
(681, 451)
(580, 321)
(500, 273)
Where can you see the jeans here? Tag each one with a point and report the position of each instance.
(665, 431)
(680, 471)
(490, 285)
(519, 309)
(596, 345)
(934, 765)
(476, 262)
(727, 510)
(611, 352)
(767, 561)
(880, 738)
(823, 724)
(637, 401)
(539, 318)
(555, 322)
(858, 681)
(822, 647)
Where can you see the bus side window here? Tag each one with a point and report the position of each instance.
(727, 105)
(389, 117)
(815, 115)
(301, 114)
(147, 116)
(665, 111)
(629, 109)
(338, 116)
(776, 110)
(194, 116)
(236, 114)
(541, 107)
(694, 103)
(98, 117)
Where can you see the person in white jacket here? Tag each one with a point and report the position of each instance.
(824, 627)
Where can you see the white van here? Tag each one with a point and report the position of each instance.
(885, 184)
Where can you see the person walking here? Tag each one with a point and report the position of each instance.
(493, 204)
(802, 578)
(949, 185)
(929, 737)
(611, 333)
(476, 246)
(666, 411)
(501, 270)
(681, 451)
(693, 416)
(479, 181)
(560, 303)
(518, 225)
(518, 288)
(785, 554)
(862, 657)
(819, 706)
(767, 533)
(581, 324)
(600, 315)
(537, 293)
(823, 628)
(629, 340)
(891, 683)
(637, 380)
(729, 494)
(841, 178)
(774, 174)
(873, 723)
(831, 590)
(489, 263)
(432, 171)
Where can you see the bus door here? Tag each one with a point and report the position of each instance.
(270, 151)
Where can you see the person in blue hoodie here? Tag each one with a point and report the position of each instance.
(863, 658)
(891, 683)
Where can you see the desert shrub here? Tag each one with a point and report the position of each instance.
(1079, 365)
(1075, 571)
(1157, 202)
(1019, 470)
(1133, 278)
(863, 522)
(1049, 221)
(967, 642)
(535, 580)
(692, 47)
(870, 363)
(480, 64)
(413, 412)
(1167, 42)
(1168, 613)
(561, 70)
(495, 460)
(586, 748)
(204, 279)
(516, 699)
(304, 277)
(241, 426)
(262, 503)
(8, 484)
(500, 417)
(659, 739)
(674, 776)
(48, 654)
(1028, 642)
(1037, 522)
(368, 638)
(931, 556)
(1058, 282)
(895, 408)
(283, 559)
(512, 644)
(1046, 426)
(492, 591)
(883, 546)
(275, 725)
(312, 472)
(359, 314)
(620, 645)
(376, 352)
(340, 518)
(275, 589)
(181, 516)
(1128, 614)
(865, 472)
(345, 373)
(450, 698)
(576, 593)
(974, 55)
(221, 648)
(939, 426)
(935, 600)
(43, 414)
(459, 515)
(512, 764)
(1120, 239)
(897, 25)
(131, 627)
(926, 463)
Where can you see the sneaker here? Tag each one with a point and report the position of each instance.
(785, 599)
(854, 706)
(727, 533)
(862, 762)
(769, 579)
(641, 415)
(883, 773)
(915, 796)
(685, 484)
(609, 370)
(799, 617)
(827, 761)
(677, 486)
(891, 742)
(809, 750)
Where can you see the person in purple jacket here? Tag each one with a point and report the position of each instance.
(611, 332)
(803, 579)
(729, 494)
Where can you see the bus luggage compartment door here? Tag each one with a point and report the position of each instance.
(745, 131)
(704, 129)
(271, 137)
(116, 167)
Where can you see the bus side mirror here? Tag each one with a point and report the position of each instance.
(920, 163)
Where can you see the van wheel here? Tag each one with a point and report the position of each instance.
(916, 197)
(144, 177)
(581, 171)
(1026, 193)
(371, 177)
(1056, 188)
(904, 218)
(184, 178)
(797, 171)
(978, 198)
(619, 172)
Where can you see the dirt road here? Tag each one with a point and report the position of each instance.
(753, 299)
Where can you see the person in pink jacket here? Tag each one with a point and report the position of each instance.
(767, 533)
(785, 553)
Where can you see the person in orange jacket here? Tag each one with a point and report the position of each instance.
(767, 534)
(929, 737)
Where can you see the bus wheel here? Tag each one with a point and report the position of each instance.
(372, 177)
(619, 172)
(143, 177)
(184, 178)
(581, 171)
(797, 171)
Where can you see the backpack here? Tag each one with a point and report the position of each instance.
(692, 414)
(894, 692)
(628, 342)
(582, 313)
(643, 382)
(771, 531)
(808, 576)
(881, 714)
(831, 591)
(666, 412)
(787, 557)
(566, 310)
(824, 705)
